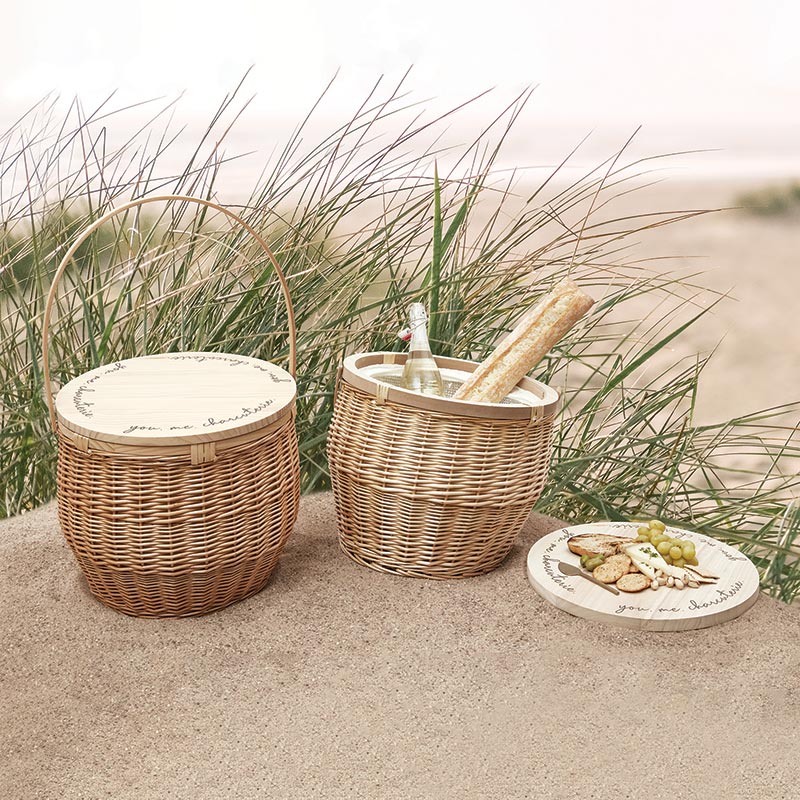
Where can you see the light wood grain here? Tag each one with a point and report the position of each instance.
(662, 610)
(175, 399)
(219, 445)
(353, 373)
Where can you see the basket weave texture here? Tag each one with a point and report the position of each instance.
(429, 494)
(160, 536)
(187, 524)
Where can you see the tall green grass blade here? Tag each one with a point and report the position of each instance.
(349, 218)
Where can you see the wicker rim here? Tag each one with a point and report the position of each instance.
(284, 287)
(352, 374)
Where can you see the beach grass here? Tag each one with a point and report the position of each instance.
(380, 212)
(779, 200)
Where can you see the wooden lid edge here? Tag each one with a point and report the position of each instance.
(167, 441)
(351, 373)
(171, 449)
(285, 406)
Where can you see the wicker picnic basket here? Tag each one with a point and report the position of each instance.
(178, 473)
(432, 487)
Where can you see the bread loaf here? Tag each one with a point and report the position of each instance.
(530, 341)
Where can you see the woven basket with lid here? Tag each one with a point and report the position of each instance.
(178, 473)
(432, 487)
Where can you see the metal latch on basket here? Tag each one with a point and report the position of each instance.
(204, 453)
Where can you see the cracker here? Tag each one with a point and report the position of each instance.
(633, 582)
(612, 569)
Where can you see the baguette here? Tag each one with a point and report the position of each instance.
(530, 341)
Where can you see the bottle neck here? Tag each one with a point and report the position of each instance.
(419, 346)
(420, 373)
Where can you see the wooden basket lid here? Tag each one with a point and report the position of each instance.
(352, 372)
(175, 399)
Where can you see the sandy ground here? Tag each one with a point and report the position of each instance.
(756, 332)
(340, 682)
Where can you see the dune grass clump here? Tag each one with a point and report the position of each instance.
(772, 201)
(362, 225)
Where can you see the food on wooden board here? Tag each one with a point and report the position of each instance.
(597, 544)
(633, 582)
(534, 336)
(613, 568)
(678, 552)
(702, 574)
(612, 559)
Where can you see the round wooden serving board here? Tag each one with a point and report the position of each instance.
(175, 398)
(663, 610)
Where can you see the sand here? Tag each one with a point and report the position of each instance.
(754, 332)
(340, 682)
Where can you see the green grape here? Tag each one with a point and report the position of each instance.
(688, 550)
(693, 561)
(642, 538)
(664, 548)
(643, 530)
(657, 525)
(675, 552)
(678, 562)
(656, 538)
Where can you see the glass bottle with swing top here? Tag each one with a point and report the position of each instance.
(420, 373)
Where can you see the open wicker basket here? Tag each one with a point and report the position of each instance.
(178, 473)
(432, 487)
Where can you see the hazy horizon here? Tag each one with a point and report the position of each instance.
(720, 76)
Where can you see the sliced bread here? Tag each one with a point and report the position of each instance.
(598, 544)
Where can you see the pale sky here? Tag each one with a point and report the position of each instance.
(729, 66)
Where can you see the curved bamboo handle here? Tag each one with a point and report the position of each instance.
(134, 204)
